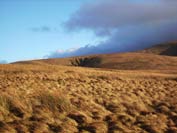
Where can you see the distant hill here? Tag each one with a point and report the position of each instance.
(158, 57)
(138, 61)
(169, 49)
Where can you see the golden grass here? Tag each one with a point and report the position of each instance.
(54, 101)
(49, 98)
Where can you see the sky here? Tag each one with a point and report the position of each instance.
(37, 29)
(33, 29)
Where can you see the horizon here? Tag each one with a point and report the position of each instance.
(55, 29)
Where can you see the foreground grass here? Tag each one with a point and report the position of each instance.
(49, 99)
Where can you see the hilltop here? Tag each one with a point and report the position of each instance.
(169, 49)
(158, 57)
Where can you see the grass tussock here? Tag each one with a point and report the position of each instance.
(11, 105)
(54, 101)
(5, 101)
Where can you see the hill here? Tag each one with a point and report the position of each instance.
(138, 61)
(158, 57)
(169, 49)
(128, 93)
(123, 61)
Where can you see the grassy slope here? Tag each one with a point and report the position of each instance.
(124, 61)
(47, 96)
(52, 98)
(169, 48)
(151, 58)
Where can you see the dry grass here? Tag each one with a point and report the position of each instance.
(123, 61)
(49, 98)
(54, 101)
(148, 59)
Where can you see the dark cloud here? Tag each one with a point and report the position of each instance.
(115, 14)
(129, 25)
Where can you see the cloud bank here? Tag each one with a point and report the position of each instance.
(127, 24)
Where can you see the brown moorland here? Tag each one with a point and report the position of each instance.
(44, 97)
(158, 57)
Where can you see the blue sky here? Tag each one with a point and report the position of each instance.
(36, 29)
(23, 24)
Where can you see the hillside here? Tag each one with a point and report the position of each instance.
(124, 61)
(128, 93)
(158, 57)
(60, 99)
(169, 49)
(138, 61)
